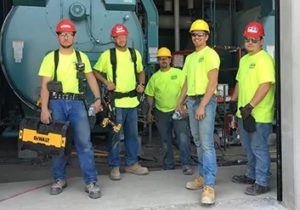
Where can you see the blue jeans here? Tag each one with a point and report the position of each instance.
(166, 125)
(257, 150)
(128, 118)
(203, 134)
(75, 112)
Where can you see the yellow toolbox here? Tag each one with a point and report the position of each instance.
(47, 138)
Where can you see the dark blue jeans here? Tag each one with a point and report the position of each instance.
(166, 125)
(257, 150)
(128, 118)
(74, 111)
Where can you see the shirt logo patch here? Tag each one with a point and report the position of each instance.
(252, 66)
(173, 77)
(157, 90)
(201, 59)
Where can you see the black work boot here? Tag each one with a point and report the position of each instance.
(242, 179)
(93, 190)
(257, 189)
(58, 186)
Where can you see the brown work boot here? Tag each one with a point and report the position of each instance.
(208, 195)
(137, 169)
(196, 184)
(115, 173)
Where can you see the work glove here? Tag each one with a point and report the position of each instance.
(246, 110)
(249, 123)
(233, 107)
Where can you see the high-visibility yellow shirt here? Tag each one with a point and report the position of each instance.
(196, 68)
(125, 74)
(66, 69)
(165, 87)
(255, 70)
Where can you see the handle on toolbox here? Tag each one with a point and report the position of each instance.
(36, 124)
(43, 128)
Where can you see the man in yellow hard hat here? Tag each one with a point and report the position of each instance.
(255, 90)
(201, 69)
(164, 88)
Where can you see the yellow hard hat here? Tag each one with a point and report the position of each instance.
(164, 52)
(199, 25)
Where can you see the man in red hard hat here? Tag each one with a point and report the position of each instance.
(255, 89)
(125, 78)
(65, 25)
(62, 72)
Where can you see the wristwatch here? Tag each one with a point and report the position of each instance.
(97, 98)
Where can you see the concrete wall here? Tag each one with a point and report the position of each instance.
(290, 101)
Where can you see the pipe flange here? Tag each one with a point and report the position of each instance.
(77, 11)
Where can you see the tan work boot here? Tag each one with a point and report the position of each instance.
(196, 184)
(115, 173)
(137, 169)
(208, 195)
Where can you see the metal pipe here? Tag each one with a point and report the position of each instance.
(210, 13)
(166, 22)
(214, 22)
(176, 25)
(278, 99)
(232, 18)
(151, 30)
(230, 22)
(202, 9)
(190, 4)
(168, 5)
(2, 8)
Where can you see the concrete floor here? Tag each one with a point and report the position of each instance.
(24, 183)
(160, 190)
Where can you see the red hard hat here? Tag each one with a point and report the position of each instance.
(253, 30)
(65, 25)
(118, 30)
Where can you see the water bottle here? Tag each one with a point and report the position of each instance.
(233, 122)
(176, 116)
(92, 111)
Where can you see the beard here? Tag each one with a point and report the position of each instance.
(164, 65)
(123, 45)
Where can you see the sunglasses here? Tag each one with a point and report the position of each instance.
(198, 34)
(253, 40)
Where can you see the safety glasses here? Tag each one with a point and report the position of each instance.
(253, 40)
(198, 34)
